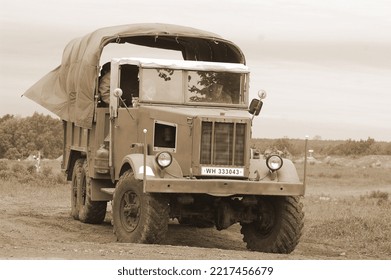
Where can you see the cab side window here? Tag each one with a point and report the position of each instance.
(129, 83)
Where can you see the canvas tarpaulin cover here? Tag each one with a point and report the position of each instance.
(69, 90)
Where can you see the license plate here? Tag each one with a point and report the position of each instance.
(222, 171)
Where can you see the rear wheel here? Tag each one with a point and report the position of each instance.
(91, 212)
(75, 186)
(138, 217)
(278, 227)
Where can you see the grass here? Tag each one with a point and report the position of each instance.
(323, 174)
(349, 208)
(360, 226)
(25, 172)
(20, 182)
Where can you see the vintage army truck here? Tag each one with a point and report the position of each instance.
(172, 142)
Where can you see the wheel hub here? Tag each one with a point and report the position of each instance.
(130, 210)
(266, 219)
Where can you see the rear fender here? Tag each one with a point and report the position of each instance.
(70, 163)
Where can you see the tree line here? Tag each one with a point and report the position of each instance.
(21, 137)
(295, 147)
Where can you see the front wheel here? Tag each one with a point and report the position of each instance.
(138, 217)
(278, 227)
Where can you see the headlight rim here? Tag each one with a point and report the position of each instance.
(268, 164)
(158, 160)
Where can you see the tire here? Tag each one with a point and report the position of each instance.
(138, 217)
(90, 212)
(75, 186)
(279, 226)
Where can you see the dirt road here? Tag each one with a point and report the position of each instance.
(37, 225)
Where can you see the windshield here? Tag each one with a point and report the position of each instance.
(187, 86)
(214, 87)
(161, 85)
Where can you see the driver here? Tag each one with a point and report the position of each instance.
(104, 83)
(217, 95)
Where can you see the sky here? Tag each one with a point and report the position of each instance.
(325, 65)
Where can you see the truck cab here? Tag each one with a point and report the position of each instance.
(183, 105)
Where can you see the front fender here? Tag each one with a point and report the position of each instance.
(136, 162)
(260, 172)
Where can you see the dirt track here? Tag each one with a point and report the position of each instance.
(33, 229)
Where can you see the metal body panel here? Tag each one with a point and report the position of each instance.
(124, 133)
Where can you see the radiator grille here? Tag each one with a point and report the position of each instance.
(222, 143)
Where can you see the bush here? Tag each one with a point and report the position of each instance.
(46, 171)
(21, 137)
(356, 148)
(4, 166)
(18, 169)
(5, 175)
(26, 179)
(379, 195)
(12, 153)
(24, 172)
(59, 178)
(31, 169)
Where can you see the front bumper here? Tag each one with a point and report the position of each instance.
(222, 187)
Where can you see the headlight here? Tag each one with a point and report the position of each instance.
(274, 162)
(164, 159)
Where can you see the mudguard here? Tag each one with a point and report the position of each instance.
(260, 172)
(136, 162)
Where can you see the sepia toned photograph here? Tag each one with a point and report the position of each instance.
(195, 130)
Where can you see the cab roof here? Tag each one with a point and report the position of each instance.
(183, 64)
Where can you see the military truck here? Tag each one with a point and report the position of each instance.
(173, 141)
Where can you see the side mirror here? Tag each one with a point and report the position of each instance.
(255, 107)
(262, 94)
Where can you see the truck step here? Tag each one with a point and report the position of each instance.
(108, 190)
